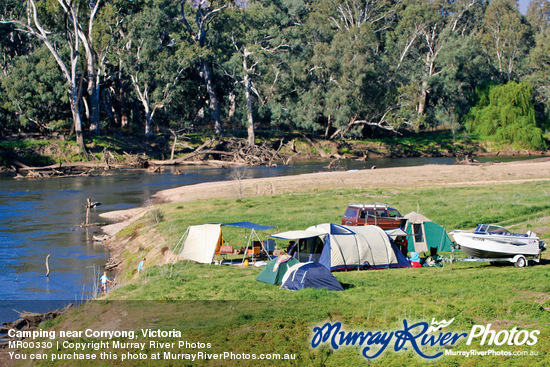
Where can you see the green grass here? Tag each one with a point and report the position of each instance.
(225, 306)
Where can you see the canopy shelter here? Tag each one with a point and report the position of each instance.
(201, 242)
(254, 243)
(426, 235)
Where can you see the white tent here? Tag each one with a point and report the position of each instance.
(340, 247)
(357, 246)
(201, 242)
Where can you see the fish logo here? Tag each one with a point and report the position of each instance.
(436, 326)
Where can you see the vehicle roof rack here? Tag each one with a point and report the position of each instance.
(372, 205)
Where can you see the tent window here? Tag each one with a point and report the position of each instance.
(310, 246)
(417, 231)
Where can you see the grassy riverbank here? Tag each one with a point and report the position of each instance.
(225, 306)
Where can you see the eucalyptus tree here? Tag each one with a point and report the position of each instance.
(196, 17)
(255, 33)
(538, 15)
(426, 35)
(505, 36)
(58, 26)
(35, 92)
(154, 58)
(343, 85)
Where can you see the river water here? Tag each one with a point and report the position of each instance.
(41, 217)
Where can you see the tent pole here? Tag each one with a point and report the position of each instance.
(247, 245)
(259, 240)
(179, 242)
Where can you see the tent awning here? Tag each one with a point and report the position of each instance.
(249, 225)
(396, 232)
(298, 235)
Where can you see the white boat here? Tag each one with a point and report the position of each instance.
(492, 241)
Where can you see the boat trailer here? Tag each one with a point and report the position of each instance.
(519, 261)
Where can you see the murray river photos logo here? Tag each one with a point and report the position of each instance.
(417, 336)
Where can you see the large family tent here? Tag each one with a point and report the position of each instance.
(276, 269)
(339, 247)
(201, 242)
(426, 235)
(310, 275)
(357, 247)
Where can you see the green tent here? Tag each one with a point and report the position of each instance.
(426, 235)
(271, 275)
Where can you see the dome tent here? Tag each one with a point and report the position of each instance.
(275, 270)
(358, 247)
(339, 247)
(310, 275)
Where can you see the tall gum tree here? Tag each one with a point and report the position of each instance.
(32, 24)
(154, 60)
(538, 15)
(505, 37)
(204, 12)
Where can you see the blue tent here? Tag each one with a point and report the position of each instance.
(310, 275)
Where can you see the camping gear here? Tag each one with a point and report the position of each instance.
(495, 242)
(340, 247)
(201, 242)
(275, 270)
(310, 275)
(426, 234)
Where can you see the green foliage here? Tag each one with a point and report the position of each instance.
(36, 92)
(322, 67)
(506, 112)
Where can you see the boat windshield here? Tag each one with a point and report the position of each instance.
(491, 229)
(497, 230)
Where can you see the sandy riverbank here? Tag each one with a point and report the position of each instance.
(419, 176)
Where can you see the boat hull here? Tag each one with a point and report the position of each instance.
(483, 246)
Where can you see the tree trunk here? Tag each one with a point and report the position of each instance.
(93, 92)
(213, 104)
(77, 118)
(247, 88)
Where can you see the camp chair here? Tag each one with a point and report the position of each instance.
(269, 246)
(224, 251)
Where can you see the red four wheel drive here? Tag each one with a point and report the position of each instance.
(381, 215)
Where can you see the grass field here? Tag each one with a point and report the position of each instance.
(225, 306)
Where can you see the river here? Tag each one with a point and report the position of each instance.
(43, 216)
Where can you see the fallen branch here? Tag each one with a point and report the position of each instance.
(48, 265)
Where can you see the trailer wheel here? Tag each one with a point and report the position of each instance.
(521, 262)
